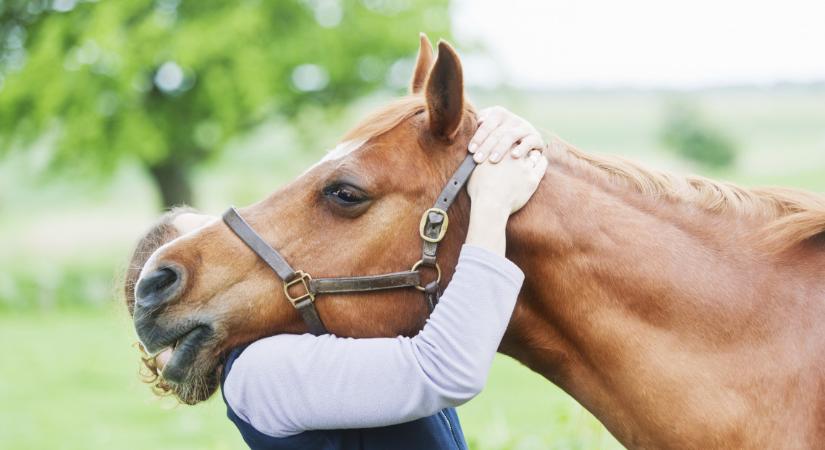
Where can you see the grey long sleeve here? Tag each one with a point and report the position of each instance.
(286, 384)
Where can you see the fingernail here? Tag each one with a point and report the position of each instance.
(494, 157)
(472, 147)
(516, 154)
(479, 157)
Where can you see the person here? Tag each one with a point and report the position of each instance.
(333, 393)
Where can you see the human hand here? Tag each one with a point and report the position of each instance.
(498, 190)
(507, 186)
(500, 131)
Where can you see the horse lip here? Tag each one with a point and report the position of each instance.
(184, 354)
(154, 338)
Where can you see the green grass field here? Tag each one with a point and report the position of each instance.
(69, 377)
(70, 382)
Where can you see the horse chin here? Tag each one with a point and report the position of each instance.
(197, 387)
(193, 370)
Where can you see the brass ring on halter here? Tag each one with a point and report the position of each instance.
(437, 272)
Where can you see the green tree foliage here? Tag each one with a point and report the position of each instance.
(691, 137)
(168, 82)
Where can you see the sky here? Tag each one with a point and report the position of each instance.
(642, 43)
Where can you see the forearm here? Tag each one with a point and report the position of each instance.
(287, 384)
(487, 227)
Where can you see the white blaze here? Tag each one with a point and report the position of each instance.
(340, 151)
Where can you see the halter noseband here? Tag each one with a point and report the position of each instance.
(432, 229)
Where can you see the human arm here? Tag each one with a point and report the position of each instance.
(500, 132)
(287, 384)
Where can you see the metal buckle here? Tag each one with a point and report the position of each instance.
(303, 278)
(425, 219)
(437, 272)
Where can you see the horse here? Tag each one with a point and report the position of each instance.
(681, 311)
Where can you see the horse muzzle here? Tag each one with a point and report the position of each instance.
(185, 339)
(159, 287)
(155, 290)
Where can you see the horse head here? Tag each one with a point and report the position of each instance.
(356, 212)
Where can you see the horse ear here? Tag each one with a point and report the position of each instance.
(422, 65)
(445, 93)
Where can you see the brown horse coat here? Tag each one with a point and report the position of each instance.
(682, 312)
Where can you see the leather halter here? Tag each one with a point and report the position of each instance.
(433, 227)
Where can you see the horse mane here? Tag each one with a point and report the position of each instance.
(386, 118)
(390, 116)
(793, 216)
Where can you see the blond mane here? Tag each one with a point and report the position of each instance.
(792, 216)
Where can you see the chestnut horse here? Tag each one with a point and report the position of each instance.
(682, 312)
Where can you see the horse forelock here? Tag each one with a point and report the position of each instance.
(792, 216)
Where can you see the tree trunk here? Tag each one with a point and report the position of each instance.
(172, 181)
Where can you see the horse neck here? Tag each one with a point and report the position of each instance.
(652, 313)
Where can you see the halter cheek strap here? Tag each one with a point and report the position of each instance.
(301, 289)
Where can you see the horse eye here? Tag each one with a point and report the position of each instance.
(344, 194)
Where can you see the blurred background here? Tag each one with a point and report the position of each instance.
(110, 111)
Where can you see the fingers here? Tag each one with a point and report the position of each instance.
(544, 163)
(535, 157)
(527, 143)
(500, 132)
(538, 166)
(489, 120)
(540, 170)
(511, 183)
(499, 142)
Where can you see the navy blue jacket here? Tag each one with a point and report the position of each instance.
(440, 431)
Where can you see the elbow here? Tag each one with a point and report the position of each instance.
(454, 377)
(475, 384)
(465, 388)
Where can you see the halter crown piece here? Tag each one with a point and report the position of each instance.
(301, 289)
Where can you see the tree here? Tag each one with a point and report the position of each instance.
(691, 137)
(166, 83)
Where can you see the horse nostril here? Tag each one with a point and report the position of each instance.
(151, 288)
